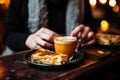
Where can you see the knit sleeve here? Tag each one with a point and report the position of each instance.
(16, 30)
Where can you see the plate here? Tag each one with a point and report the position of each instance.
(75, 60)
(108, 39)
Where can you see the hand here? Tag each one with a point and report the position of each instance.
(85, 35)
(41, 38)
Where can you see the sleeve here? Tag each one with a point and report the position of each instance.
(16, 30)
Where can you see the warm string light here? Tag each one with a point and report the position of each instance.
(5, 3)
(103, 1)
(104, 25)
(116, 8)
(112, 3)
(2, 1)
(2, 70)
(92, 3)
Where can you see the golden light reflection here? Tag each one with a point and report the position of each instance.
(92, 3)
(100, 52)
(103, 1)
(2, 70)
(2, 1)
(112, 3)
(5, 3)
(116, 8)
(104, 25)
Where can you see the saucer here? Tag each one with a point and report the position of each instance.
(74, 60)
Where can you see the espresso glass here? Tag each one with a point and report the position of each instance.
(65, 45)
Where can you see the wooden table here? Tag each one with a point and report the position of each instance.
(14, 67)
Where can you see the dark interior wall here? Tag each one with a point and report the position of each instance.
(2, 19)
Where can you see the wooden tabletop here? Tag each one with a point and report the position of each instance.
(14, 67)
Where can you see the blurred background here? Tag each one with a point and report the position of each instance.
(106, 14)
(4, 4)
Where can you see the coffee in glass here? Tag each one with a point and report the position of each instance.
(65, 45)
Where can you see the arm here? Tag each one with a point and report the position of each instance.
(85, 33)
(16, 30)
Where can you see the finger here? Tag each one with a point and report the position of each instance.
(34, 45)
(47, 34)
(48, 37)
(79, 35)
(77, 30)
(37, 46)
(90, 35)
(45, 37)
(88, 43)
(85, 32)
(43, 43)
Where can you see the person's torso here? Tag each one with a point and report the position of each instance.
(56, 15)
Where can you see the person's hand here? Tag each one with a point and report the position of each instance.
(84, 34)
(41, 38)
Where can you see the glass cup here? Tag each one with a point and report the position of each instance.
(65, 45)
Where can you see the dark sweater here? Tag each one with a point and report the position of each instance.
(16, 29)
